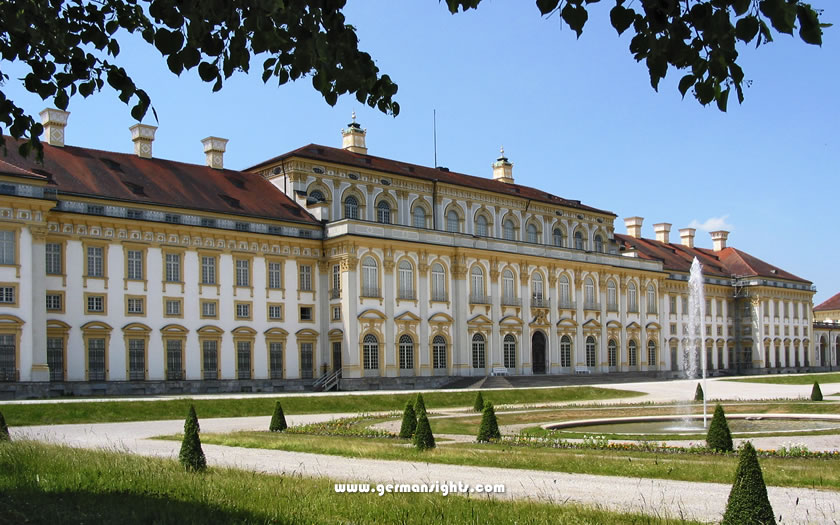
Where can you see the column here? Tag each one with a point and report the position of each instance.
(40, 370)
(389, 295)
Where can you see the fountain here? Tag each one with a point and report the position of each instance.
(696, 346)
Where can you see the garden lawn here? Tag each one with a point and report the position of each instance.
(792, 379)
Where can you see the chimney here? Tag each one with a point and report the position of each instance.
(503, 169)
(142, 136)
(634, 226)
(214, 152)
(687, 237)
(353, 137)
(662, 230)
(719, 239)
(54, 122)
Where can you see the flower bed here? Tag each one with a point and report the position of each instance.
(344, 427)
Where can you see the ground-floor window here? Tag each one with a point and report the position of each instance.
(210, 359)
(370, 352)
(439, 352)
(478, 351)
(720, 358)
(509, 348)
(612, 351)
(55, 358)
(652, 353)
(746, 357)
(631, 353)
(136, 359)
(96, 358)
(8, 358)
(275, 359)
(243, 360)
(590, 351)
(565, 351)
(307, 358)
(174, 360)
(406, 352)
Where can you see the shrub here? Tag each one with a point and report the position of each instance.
(4, 430)
(816, 393)
(419, 406)
(423, 438)
(748, 503)
(191, 455)
(278, 419)
(719, 438)
(478, 406)
(489, 428)
(698, 394)
(409, 421)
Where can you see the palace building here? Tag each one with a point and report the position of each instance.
(124, 273)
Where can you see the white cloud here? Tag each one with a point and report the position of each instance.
(712, 224)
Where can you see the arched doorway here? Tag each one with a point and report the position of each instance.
(538, 353)
(823, 352)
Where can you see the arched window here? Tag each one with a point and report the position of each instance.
(383, 212)
(632, 299)
(419, 217)
(507, 230)
(478, 351)
(612, 297)
(509, 346)
(316, 196)
(565, 299)
(651, 300)
(351, 208)
(370, 352)
(578, 240)
(370, 277)
(557, 237)
(481, 226)
(439, 352)
(406, 352)
(452, 222)
(531, 231)
(537, 290)
(599, 244)
(508, 290)
(631, 353)
(589, 293)
(438, 282)
(406, 271)
(652, 353)
(566, 351)
(590, 351)
(477, 284)
(612, 350)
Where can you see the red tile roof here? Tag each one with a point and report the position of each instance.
(729, 262)
(831, 304)
(360, 161)
(127, 177)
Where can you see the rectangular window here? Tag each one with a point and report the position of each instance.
(7, 247)
(306, 313)
(673, 328)
(242, 226)
(306, 360)
(275, 312)
(95, 261)
(336, 316)
(672, 303)
(134, 305)
(173, 307)
(685, 305)
(208, 223)
(275, 360)
(134, 214)
(275, 275)
(55, 358)
(53, 251)
(208, 309)
(243, 272)
(7, 294)
(174, 360)
(210, 359)
(243, 310)
(208, 269)
(96, 359)
(305, 278)
(136, 359)
(96, 303)
(336, 282)
(243, 360)
(134, 265)
(173, 267)
(54, 302)
(172, 218)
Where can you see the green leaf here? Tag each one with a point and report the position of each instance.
(207, 71)
(809, 25)
(621, 18)
(722, 100)
(741, 6)
(746, 28)
(61, 99)
(547, 6)
(685, 83)
(576, 17)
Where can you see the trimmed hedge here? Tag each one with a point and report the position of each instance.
(423, 437)
(489, 429)
(419, 405)
(816, 393)
(409, 421)
(191, 455)
(698, 393)
(4, 430)
(748, 503)
(719, 438)
(278, 419)
(478, 406)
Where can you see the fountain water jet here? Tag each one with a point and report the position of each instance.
(695, 351)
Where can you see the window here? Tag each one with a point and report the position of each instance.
(652, 353)
(8, 358)
(477, 285)
(612, 351)
(336, 313)
(316, 195)
(136, 359)
(590, 351)
(243, 272)
(557, 238)
(173, 307)
(7, 247)
(134, 214)
(172, 218)
(531, 232)
(612, 297)
(53, 251)
(537, 291)
(173, 267)
(134, 306)
(383, 212)
(96, 359)
(307, 360)
(481, 226)
(243, 359)
(565, 351)
(632, 298)
(305, 278)
(439, 352)
(7, 295)
(589, 293)
(208, 223)
(672, 304)
(578, 241)
(406, 352)
(55, 358)
(243, 310)
(599, 244)
(275, 275)
(508, 290)
(631, 353)
(651, 299)
(95, 304)
(275, 312)
(370, 352)
(54, 302)
(452, 222)
(95, 209)
(438, 282)
(351, 208)
(478, 351)
(509, 348)
(134, 265)
(95, 261)
(208, 269)
(507, 230)
(275, 360)
(336, 282)
(306, 313)
(565, 300)
(208, 309)
(370, 277)
(685, 305)
(210, 359)
(419, 217)
(406, 284)
(674, 328)
(174, 360)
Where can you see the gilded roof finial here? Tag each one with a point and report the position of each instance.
(502, 151)
(354, 116)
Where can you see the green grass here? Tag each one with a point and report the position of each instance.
(794, 472)
(109, 411)
(43, 484)
(792, 379)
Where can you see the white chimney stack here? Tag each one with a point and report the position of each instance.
(54, 122)
(634, 226)
(687, 237)
(214, 152)
(719, 239)
(663, 231)
(503, 169)
(353, 137)
(142, 136)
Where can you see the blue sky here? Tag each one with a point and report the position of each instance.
(578, 118)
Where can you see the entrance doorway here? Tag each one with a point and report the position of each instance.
(538, 353)
(336, 354)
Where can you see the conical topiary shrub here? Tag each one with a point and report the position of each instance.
(719, 438)
(278, 419)
(816, 393)
(478, 406)
(489, 428)
(419, 406)
(423, 438)
(409, 421)
(4, 430)
(191, 455)
(698, 394)
(748, 503)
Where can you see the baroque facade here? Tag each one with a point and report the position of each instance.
(827, 330)
(128, 273)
